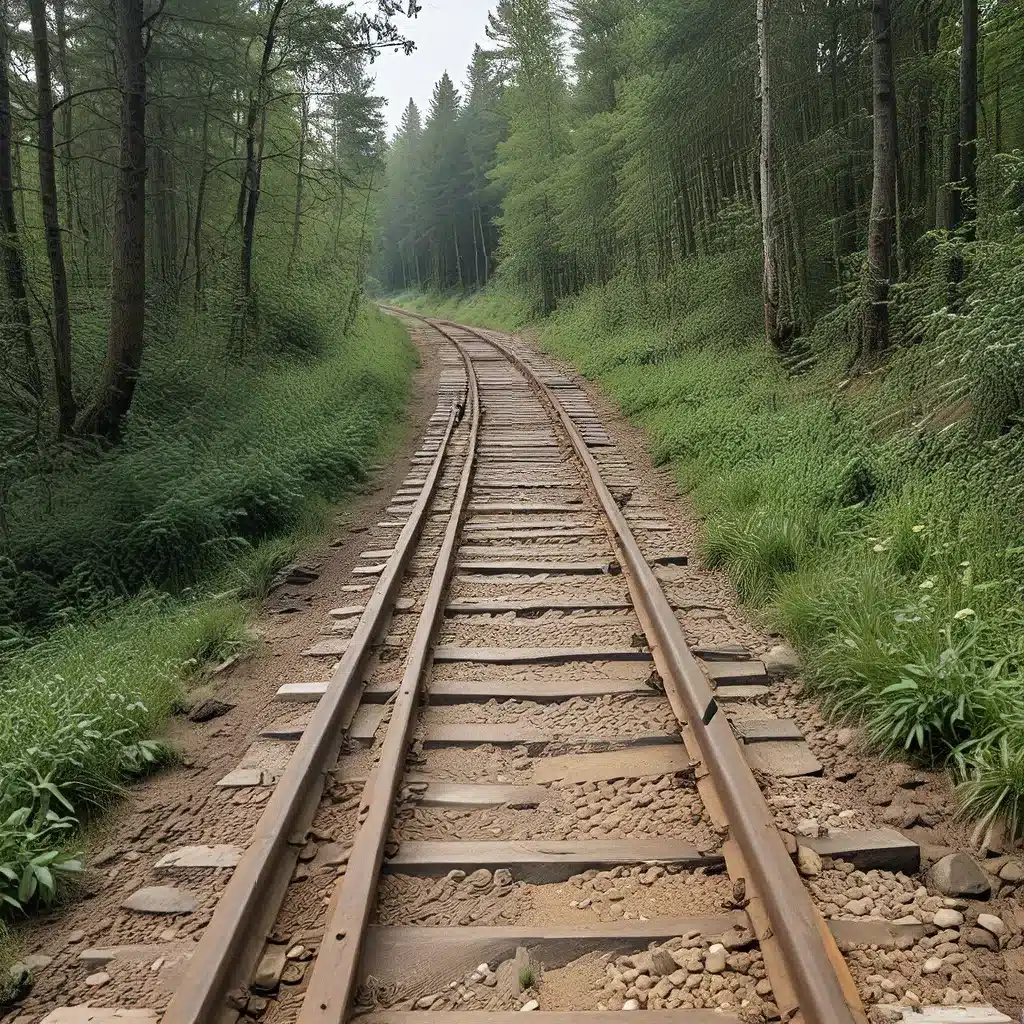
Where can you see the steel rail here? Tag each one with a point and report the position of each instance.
(335, 974)
(234, 939)
(794, 919)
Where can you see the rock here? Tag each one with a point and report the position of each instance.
(531, 1005)
(845, 737)
(631, 1004)
(36, 961)
(209, 709)
(161, 899)
(97, 980)
(782, 660)
(643, 983)
(931, 965)
(426, 1002)
(714, 959)
(76, 936)
(1012, 872)
(808, 862)
(859, 907)
(979, 937)
(807, 827)
(662, 962)
(957, 874)
(946, 918)
(268, 974)
(992, 924)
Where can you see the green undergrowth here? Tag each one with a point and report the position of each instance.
(876, 519)
(128, 572)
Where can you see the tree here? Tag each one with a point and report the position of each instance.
(126, 333)
(766, 164)
(61, 328)
(14, 257)
(875, 339)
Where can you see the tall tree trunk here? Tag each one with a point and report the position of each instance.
(297, 225)
(883, 186)
(769, 226)
(61, 337)
(14, 257)
(250, 193)
(969, 118)
(197, 227)
(125, 337)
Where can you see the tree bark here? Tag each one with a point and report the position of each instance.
(61, 336)
(14, 256)
(250, 192)
(125, 337)
(197, 227)
(297, 226)
(769, 226)
(967, 206)
(875, 338)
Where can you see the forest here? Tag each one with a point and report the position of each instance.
(189, 376)
(788, 239)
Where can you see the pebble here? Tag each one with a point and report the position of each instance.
(631, 1004)
(807, 827)
(946, 918)
(992, 924)
(931, 965)
(531, 1005)
(97, 980)
(714, 960)
(808, 862)
(76, 936)
(980, 937)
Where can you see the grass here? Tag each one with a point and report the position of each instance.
(877, 520)
(125, 572)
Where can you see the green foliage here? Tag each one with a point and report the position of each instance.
(196, 485)
(204, 489)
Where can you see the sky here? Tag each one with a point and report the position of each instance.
(445, 32)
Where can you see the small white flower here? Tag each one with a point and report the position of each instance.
(964, 613)
(878, 548)
(919, 528)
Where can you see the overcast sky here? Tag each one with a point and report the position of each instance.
(445, 33)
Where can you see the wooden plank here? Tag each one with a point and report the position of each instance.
(490, 552)
(526, 567)
(552, 1017)
(867, 849)
(785, 760)
(768, 730)
(332, 647)
(546, 655)
(476, 795)
(572, 604)
(489, 508)
(302, 693)
(630, 763)
(541, 862)
(954, 1015)
(420, 957)
(348, 612)
(369, 570)
(475, 734)
(526, 534)
(728, 673)
(871, 931)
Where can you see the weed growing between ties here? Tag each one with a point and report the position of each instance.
(126, 572)
(876, 519)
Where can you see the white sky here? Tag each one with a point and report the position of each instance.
(445, 32)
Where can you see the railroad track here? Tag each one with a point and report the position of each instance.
(513, 718)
